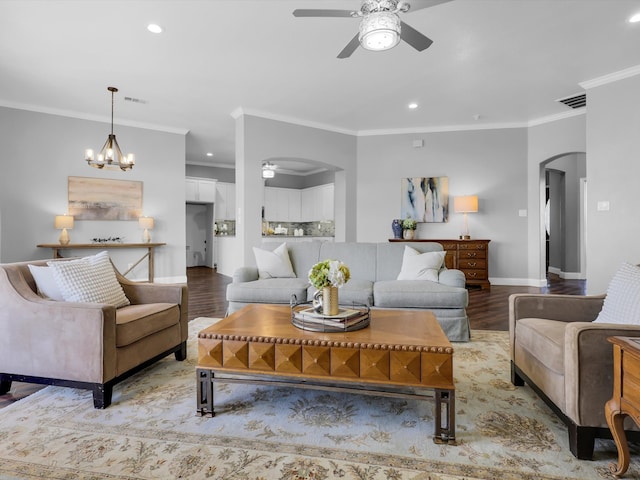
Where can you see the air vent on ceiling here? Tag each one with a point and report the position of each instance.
(134, 100)
(574, 101)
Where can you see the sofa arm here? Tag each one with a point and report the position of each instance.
(245, 274)
(141, 293)
(452, 278)
(566, 308)
(588, 369)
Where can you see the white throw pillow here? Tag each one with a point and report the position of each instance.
(274, 264)
(47, 286)
(420, 266)
(89, 280)
(622, 303)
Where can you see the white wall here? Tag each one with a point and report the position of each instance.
(487, 163)
(546, 141)
(259, 139)
(40, 152)
(613, 170)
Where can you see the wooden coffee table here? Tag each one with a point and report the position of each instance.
(401, 353)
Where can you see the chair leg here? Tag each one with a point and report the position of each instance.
(515, 378)
(5, 385)
(182, 353)
(581, 441)
(102, 393)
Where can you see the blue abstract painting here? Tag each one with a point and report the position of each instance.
(425, 199)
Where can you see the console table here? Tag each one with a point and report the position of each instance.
(469, 256)
(56, 247)
(626, 396)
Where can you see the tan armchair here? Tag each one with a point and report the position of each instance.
(86, 345)
(566, 360)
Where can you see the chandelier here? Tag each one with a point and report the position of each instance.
(110, 155)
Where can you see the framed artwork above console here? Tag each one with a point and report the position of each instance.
(425, 199)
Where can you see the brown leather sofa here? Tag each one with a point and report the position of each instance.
(567, 360)
(86, 345)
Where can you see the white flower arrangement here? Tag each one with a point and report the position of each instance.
(329, 273)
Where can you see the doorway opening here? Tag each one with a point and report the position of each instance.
(199, 235)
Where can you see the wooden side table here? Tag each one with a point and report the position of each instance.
(626, 396)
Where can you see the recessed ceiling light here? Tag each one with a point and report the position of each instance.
(635, 18)
(209, 154)
(413, 106)
(154, 28)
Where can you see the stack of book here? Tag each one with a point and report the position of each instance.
(347, 319)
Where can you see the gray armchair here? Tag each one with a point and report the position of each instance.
(567, 360)
(86, 345)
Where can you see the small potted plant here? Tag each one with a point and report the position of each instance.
(409, 226)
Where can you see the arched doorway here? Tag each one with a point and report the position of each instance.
(563, 214)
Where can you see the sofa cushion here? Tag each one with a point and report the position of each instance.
(543, 339)
(356, 292)
(359, 257)
(90, 280)
(420, 266)
(135, 322)
(418, 294)
(274, 264)
(622, 303)
(273, 290)
(46, 284)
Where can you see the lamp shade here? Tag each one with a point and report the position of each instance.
(146, 222)
(465, 204)
(379, 31)
(63, 221)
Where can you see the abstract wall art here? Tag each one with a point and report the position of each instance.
(100, 199)
(425, 199)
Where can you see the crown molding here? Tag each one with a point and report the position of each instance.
(444, 128)
(610, 77)
(236, 113)
(557, 116)
(93, 118)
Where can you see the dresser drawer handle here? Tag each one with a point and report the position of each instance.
(472, 274)
(471, 264)
(471, 254)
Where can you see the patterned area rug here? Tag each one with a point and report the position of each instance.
(151, 430)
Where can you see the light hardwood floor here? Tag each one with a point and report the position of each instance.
(487, 310)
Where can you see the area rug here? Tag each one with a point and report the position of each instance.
(151, 430)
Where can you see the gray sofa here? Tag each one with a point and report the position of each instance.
(374, 268)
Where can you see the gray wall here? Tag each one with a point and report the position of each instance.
(40, 152)
(227, 175)
(488, 163)
(613, 169)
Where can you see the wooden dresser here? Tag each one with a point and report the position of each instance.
(469, 256)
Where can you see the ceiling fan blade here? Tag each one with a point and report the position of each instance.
(350, 48)
(420, 4)
(312, 12)
(414, 38)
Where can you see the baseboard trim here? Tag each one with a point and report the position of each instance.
(518, 282)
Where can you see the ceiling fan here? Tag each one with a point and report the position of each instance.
(380, 24)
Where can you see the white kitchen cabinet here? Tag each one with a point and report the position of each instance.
(225, 201)
(281, 204)
(200, 190)
(317, 203)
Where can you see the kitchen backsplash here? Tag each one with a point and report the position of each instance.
(308, 229)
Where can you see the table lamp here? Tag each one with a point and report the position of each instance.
(62, 222)
(147, 224)
(465, 204)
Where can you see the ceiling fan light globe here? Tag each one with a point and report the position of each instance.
(379, 31)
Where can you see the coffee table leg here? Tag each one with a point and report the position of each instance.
(447, 433)
(204, 379)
